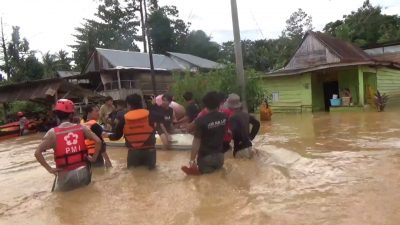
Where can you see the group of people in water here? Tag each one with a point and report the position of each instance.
(79, 146)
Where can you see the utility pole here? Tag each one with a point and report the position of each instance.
(238, 54)
(153, 78)
(143, 25)
(3, 45)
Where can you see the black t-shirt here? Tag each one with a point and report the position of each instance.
(98, 130)
(192, 110)
(211, 130)
(240, 126)
(164, 115)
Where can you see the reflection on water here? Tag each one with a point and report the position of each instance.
(341, 168)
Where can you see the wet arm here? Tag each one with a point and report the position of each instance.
(255, 127)
(195, 148)
(107, 159)
(119, 130)
(47, 143)
(235, 129)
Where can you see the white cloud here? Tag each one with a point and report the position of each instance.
(49, 24)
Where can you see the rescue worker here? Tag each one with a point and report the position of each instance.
(166, 127)
(223, 109)
(207, 148)
(240, 123)
(138, 128)
(23, 123)
(90, 117)
(70, 154)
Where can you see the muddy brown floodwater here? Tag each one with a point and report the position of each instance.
(341, 168)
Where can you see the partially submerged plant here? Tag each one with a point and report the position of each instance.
(380, 101)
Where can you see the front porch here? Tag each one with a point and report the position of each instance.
(358, 81)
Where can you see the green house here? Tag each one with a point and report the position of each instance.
(324, 68)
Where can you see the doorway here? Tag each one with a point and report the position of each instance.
(330, 88)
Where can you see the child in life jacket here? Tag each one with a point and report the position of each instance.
(90, 117)
(71, 157)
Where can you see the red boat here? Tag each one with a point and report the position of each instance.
(11, 130)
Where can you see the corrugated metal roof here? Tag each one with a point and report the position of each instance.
(196, 61)
(41, 89)
(346, 51)
(65, 74)
(138, 60)
(392, 57)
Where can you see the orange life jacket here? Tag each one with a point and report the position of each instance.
(90, 144)
(137, 130)
(265, 113)
(70, 152)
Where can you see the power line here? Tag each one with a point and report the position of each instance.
(255, 21)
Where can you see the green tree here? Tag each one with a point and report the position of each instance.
(199, 43)
(167, 31)
(63, 61)
(55, 62)
(23, 63)
(115, 27)
(29, 69)
(366, 26)
(298, 23)
(49, 64)
(222, 80)
(272, 54)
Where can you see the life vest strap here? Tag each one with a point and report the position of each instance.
(129, 134)
(83, 154)
(68, 131)
(147, 147)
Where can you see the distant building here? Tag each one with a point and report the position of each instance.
(385, 51)
(324, 66)
(120, 73)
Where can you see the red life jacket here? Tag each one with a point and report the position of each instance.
(70, 152)
(137, 130)
(90, 144)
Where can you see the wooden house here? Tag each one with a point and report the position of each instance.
(324, 66)
(118, 73)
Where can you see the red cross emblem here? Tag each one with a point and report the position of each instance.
(71, 139)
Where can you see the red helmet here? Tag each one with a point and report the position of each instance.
(20, 114)
(65, 105)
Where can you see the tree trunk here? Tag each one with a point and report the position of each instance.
(3, 45)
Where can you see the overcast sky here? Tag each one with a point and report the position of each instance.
(48, 24)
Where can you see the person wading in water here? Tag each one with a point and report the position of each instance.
(207, 149)
(91, 115)
(138, 128)
(70, 154)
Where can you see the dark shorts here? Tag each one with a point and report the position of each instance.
(142, 158)
(73, 179)
(210, 163)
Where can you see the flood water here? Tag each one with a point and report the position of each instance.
(338, 168)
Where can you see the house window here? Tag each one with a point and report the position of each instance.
(275, 96)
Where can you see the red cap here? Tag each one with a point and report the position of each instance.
(65, 105)
(20, 114)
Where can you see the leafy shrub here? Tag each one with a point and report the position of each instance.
(222, 80)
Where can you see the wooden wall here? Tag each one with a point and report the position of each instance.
(311, 53)
(294, 92)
